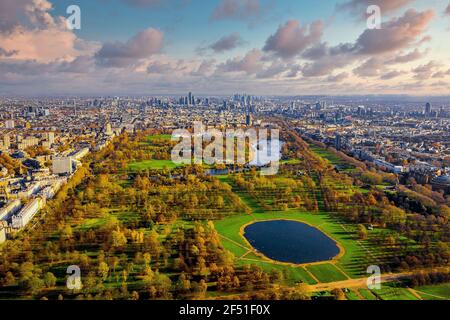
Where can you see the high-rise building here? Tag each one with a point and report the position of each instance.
(428, 109)
(338, 142)
(190, 98)
(62, 165)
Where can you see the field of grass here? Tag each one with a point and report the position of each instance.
(159, 137)
(434, 292)
(367, 294)
(326, 272)
(390, 291)
(331, 157)
(352, 295)
(152, 165)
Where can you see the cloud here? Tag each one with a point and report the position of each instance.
(227, 43)
(338, 77)
(391, 75)
(251, 63)
(274, 69)
(6, 53)
(447, 10)
(326, 59)
(424, 72)
(396, 34)
(370, 68)
(236, 10)
(9, 13)
(359, 7)
(411, 56)
(291, 39)
(29, 32)
(143, 45)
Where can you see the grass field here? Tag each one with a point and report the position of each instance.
(391, 292)
(352, 295)
(331, 157)
(159, 137)
(326, 272)
(152, 165)
(434, 292)
(367, 294)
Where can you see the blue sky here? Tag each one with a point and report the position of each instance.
(268, 46)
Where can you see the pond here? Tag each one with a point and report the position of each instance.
(291, 241)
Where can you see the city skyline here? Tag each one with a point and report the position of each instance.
(220, 47)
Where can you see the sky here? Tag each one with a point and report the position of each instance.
(221, 47)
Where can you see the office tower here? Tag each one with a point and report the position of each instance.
(190, 98)
(428, 108)
(338, 142)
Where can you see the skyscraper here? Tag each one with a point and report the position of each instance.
(428, 109)
(190, 98)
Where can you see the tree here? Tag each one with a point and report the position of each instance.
(118, 239)
(362, 232)
(338, 294)
(103, 270)
(49, 280)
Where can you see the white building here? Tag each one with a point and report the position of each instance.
(2, 234)
(30, 191)
(10, 209)
(26, 214)
(80, 154)
(9, 124)
(62, 165)
(389, 166)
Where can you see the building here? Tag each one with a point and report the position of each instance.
(50, 137)
(338, 142)
(6, 142)
(10, 209)
(80, 154)
(9, 124)
(441, 183)
(62, 165)
(2, 234)
(27, 142)
(26, 214)
(389, 166)
(108, 129)
(428, 109)
(30, 191)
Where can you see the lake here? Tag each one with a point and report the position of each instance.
(291, 241)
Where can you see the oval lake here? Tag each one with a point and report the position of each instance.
(290, 241)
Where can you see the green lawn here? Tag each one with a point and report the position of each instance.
(391, 292)
(351, 295)
(434, 292)
(159, 137)
(367, 294)
(152, 165)
(326, 272)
